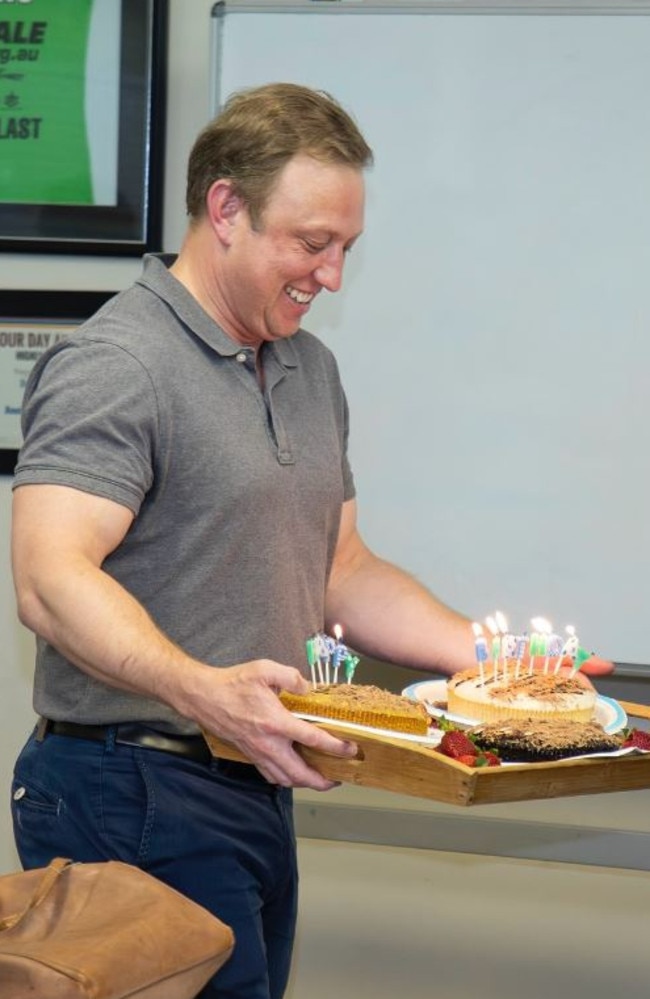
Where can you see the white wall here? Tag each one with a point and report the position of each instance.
(492, 332)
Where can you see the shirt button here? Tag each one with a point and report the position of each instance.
(19, 793)
(242, 356)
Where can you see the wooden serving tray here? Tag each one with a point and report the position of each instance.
(410, 768)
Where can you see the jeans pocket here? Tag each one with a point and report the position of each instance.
(36, 812)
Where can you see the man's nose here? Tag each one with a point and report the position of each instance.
(329, 272)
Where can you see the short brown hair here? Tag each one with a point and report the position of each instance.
(258, 131)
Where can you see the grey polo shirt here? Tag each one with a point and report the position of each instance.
(236, 492)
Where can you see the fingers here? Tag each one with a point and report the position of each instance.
(317, 738)
(595, 666)
(287, 768)
(248, 713)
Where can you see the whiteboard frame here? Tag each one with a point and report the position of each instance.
(510, 7)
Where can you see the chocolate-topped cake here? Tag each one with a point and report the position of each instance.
(530, 740)
(362, 704)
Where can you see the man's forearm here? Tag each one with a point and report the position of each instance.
(388, 614)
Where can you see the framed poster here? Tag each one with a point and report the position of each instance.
(30, 322)
(82, 118)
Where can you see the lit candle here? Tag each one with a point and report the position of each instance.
(573, 649)
(480, 648)
(580, 657)
(496, 644)
(520, 650)
(323, 657)
(340, 651)
(507, 642)
(539, 639)
(572, 644)
(330, 645)
(547, 638)
(555, 651)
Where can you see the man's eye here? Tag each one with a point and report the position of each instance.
(315, 247)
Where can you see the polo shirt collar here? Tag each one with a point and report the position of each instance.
(156, 278)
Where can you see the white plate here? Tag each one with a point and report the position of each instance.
(431, 739)
(609, 713)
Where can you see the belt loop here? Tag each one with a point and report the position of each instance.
(41, 729)
(111, 733)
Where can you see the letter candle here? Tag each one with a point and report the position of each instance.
(549, 645)
(323, 658)
(555, 651)
(506, 642)
(573, 649)
(520, 650)
(496, 644)
(349, 665)
(571, 645)
(339, 653)
(312, 657)
(581, 656)
(539, 640)
(480, 648)
(330, 645)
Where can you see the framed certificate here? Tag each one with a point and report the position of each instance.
(30, 322)
(82, 115)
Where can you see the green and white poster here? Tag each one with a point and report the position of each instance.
(59, 101)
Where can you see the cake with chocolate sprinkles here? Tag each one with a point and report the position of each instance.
(490, 696)
(531, 740)
(362, 704)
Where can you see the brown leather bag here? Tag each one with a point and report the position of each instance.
(104, 931)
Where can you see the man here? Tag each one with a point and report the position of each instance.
(184, 517)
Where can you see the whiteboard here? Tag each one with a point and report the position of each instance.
(493, 332)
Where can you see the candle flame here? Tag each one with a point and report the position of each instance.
(541, 624)
(501, 621)
(338, 631)
(492, 625)
(477, 629)
(570, 630)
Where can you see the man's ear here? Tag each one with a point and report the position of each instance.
(223, 207)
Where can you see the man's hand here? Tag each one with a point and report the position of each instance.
(595, 666)
(240, 705)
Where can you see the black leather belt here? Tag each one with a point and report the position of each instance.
(191, 747)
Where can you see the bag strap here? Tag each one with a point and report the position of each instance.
(52, 873)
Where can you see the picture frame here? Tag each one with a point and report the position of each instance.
(85, 172)
(30, 322)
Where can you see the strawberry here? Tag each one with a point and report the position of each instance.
(488, 759)
(637, 738)
(455, 744)
(478, 760)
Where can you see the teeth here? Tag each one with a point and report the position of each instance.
(301, 297)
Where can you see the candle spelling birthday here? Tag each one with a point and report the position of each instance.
(493, 628)
(480, 648)
(326, 656)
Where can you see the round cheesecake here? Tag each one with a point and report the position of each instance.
(537, 694)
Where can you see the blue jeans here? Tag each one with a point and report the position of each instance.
(223, 839)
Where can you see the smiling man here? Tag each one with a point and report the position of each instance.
(184, 517)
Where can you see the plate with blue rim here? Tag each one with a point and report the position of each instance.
(433, 694)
